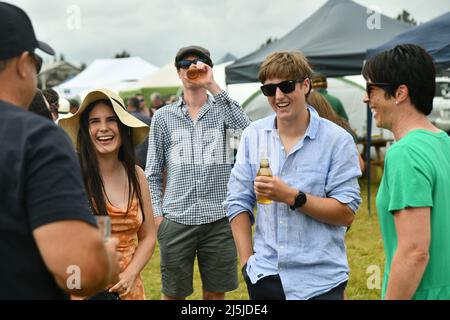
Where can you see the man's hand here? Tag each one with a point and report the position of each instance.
(206, 79)
(274, 189)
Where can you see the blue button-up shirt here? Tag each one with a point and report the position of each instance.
(309, 255)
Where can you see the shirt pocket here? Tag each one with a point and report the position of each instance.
(310, 180)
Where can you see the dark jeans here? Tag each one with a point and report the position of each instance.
(267, 288)
(271, 288)
(337, 293)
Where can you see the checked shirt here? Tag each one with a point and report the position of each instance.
(198, 156)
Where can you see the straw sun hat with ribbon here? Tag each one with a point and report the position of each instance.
(72, 125)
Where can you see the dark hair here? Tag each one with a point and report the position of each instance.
(39, 106)
(51, 95)
(134, 102)
(89, 163)
(406, 64)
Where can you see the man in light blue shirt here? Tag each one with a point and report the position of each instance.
(299, 249)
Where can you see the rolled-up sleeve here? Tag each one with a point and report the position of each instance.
(155, 163)
(342, 181)
(240, 194)
(235, 117)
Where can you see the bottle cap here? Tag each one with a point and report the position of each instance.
(263, 154)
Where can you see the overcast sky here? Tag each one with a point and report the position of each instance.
(84, 30)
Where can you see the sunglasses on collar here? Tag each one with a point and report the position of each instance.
(286, 86)
(185, 64)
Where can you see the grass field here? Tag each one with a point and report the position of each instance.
(364, 250)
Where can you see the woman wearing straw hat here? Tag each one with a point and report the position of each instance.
(105, 134)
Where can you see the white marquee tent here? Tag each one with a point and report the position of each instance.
(167, 76)
(114, 74)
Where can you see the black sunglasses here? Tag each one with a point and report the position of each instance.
(185, 64)
(369, 86)
(287, 86)
(37, 61)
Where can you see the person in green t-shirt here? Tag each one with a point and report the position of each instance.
(413, 201)
(320, 84)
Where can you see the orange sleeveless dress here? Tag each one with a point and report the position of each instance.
(124, 226)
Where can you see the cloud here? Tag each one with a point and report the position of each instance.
(156, 29)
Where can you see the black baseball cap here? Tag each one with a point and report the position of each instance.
(17, 33)
(193, 50)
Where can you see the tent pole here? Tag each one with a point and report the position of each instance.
(367, 155)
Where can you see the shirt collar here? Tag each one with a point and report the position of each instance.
(313, 126)
(180, 102)
(314, 120)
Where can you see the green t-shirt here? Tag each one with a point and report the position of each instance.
(417, 174)
(334, 102)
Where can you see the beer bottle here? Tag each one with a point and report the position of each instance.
(264, 170)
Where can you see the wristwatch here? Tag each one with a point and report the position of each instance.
(300, 200)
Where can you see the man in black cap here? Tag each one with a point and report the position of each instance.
(49, 244)
(188, 138)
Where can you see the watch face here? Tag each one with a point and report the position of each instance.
(300, 200)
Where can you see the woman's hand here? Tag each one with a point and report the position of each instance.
(125, 284)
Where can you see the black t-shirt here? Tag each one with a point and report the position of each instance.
(40, 183)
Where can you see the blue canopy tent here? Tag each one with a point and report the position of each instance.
(334, 39)
(433, 36)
